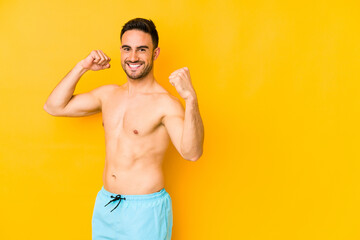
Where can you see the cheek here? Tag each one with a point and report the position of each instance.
(149, 57)
(123, 55)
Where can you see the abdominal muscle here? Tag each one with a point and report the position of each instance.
(134, 167)
(138, 178)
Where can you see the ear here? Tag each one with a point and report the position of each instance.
(156, 53)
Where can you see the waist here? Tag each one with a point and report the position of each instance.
(133, 181)
(148, 196)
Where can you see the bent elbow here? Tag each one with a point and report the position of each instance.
(50, 111)
(194, 158)
(45, 107)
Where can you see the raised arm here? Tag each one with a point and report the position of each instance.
(185, 128)
(63, 103)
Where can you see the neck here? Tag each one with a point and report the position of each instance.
(142, 85)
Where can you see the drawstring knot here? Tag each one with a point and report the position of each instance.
(117, 197)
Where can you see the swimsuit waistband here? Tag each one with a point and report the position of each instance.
(154, 195)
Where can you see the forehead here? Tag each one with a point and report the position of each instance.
(135, 38)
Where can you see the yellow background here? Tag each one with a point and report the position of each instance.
(278, 89)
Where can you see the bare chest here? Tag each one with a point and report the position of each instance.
(135, 116)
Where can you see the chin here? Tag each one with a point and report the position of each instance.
(136, 77)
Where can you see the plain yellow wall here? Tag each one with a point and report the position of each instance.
(279, 94)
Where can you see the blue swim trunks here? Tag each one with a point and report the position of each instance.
(132, 217)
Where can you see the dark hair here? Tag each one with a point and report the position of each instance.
(144, 25)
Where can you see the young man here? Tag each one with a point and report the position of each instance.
(139, 119)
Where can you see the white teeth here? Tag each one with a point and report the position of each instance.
(134, 66)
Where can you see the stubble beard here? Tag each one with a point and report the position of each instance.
(140, 75)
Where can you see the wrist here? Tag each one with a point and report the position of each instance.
(80, 68)
(191, 98)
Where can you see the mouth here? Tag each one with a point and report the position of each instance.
(133, 66)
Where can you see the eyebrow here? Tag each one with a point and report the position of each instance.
(127, 46)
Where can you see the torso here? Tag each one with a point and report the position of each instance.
(135, 141)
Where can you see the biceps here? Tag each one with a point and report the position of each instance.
(82, 105)
(175, 125)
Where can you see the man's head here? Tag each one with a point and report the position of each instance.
(139, 47)
(144, 25)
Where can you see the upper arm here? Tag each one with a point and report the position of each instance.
(86, 104)
(173, 121)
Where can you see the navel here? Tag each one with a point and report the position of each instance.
(136, 131)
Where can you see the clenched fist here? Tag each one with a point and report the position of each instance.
(181, 80)
(97, 60)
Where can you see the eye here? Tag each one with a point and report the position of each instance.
(126, 49)
(142, 50)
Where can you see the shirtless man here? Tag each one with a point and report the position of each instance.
(139, 119)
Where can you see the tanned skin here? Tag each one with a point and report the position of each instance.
(139, 117)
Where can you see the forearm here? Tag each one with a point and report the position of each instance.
(193, 132)
(63, 92)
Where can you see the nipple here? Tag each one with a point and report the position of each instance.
(135, 131)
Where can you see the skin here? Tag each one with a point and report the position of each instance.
(139, 117)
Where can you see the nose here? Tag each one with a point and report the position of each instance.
(133, 56)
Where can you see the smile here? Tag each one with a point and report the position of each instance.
(134, 66)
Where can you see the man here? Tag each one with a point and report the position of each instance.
(139, 119)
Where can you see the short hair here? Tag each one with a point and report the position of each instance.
(144, 25)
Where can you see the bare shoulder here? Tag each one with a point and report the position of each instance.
(171, 108)
(104, 90)
(171, 104)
